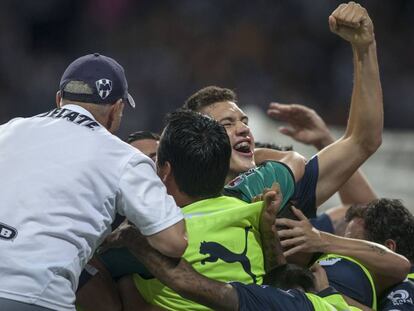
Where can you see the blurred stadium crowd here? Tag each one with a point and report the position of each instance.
(266, 51)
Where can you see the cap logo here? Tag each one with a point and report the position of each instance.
(104, 87)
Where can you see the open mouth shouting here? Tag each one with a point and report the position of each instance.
(244, 147)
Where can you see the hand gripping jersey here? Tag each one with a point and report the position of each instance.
(351, 278)
(63, 178)
(223, 244)
(266, 298)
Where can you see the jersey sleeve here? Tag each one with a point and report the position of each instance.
(349, 279)
(144, 200)
(304, 197)
(252, 183)
(323, 222)
(256, 297)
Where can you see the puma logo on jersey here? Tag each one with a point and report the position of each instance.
(7, 232)
(72, 116)
(218, 251)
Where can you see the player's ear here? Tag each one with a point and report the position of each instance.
(391, 245)
(58, 99)
(164, 171)
(115, 116)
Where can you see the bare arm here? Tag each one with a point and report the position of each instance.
(340, 160)
(302, 237)
(307, 127)
(178, 274)
(292, 159)
(272, 250)
(172, 241)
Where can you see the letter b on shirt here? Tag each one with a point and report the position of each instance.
(7, 232)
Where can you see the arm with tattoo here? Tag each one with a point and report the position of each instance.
(180, 276)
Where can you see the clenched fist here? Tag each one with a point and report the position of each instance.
(351, 22)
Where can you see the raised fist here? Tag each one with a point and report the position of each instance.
(351, 22)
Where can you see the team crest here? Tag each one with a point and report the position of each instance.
(104, 87)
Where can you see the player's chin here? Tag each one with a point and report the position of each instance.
(241, 165)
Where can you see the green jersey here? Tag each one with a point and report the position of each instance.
(252, 183)
(223, 244)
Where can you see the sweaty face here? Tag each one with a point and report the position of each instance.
(355, 229)
(235, 122)
(148, 147)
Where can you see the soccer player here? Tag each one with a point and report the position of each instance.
(307, 127)
(146, 142)
(333, 165)
(224, 241)
(288, 287)
(358, 269)
(390, 223)
(64, 176)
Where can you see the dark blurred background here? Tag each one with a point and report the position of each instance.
(280, 50)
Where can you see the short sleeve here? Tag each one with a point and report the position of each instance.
(144, 200)
(304, 197)
(349, 279)
(252, 183)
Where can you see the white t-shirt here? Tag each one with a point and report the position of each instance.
(63, 177)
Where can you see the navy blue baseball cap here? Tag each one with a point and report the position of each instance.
(104, 76)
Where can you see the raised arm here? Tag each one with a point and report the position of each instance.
(302, 237)
(340, 160)
(307, 127)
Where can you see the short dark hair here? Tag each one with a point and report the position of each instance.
(388, 219)
(290, 276)
(139, 135)
(273, 146)
(355, 211)
(198, 150)
(208, 96)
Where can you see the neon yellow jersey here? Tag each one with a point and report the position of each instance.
(223, 244)
(331, 302)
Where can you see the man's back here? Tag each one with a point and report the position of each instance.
(224, 244)
(61, 173)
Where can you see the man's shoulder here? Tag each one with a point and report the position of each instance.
(400, 296)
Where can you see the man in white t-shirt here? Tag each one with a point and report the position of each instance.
(63, 178)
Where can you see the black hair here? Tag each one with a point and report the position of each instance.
(208, 96)
(198, 149)
(139, 135)
(290, 276)
(273, 146)
(388, 219)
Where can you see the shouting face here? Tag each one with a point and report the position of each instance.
(235, 122)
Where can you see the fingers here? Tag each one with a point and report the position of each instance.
(350, 15)
(298, 213)
(293, 242)
(290, 233)
(285, 222)
(316, 268)
(293, 250)
(286, 131)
